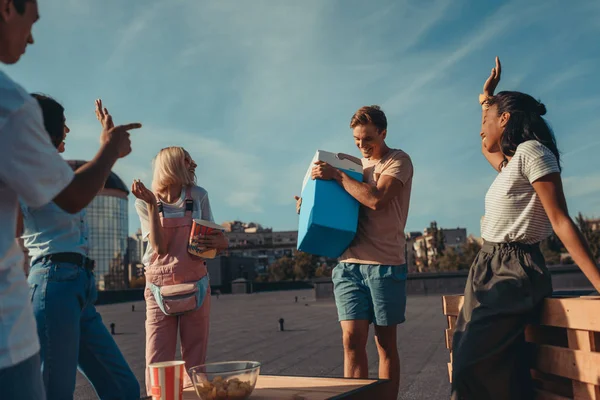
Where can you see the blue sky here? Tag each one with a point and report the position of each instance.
(253, 88)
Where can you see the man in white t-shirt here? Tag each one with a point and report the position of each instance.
(31, 168)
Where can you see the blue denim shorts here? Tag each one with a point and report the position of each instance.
(376, 293)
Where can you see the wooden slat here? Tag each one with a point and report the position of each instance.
(450, 372)
(533, 334)
(552, 384)
(576, 313)
(543, 395)
(451, 321)
(582, 340)
(449, 333)
(585, 341)
(452, 304)
(581, 313)
(585, 391)
(550, 335)
(578, 365)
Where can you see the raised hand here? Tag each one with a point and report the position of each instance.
(118, 136)
(491, 83)
(141, 192)
(103, 115)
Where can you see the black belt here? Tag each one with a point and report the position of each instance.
(72, 258)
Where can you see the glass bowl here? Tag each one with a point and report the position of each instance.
(233, 380)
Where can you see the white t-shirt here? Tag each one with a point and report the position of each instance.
(32, 169)
(513, 210)
(175, 210)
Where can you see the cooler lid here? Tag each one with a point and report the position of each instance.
(337, 160)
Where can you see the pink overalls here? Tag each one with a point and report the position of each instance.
(177, 266)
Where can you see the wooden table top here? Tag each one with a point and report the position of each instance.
(269, 387)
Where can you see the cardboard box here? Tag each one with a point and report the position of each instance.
(329, 215)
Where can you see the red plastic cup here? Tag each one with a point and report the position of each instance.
(166, 379)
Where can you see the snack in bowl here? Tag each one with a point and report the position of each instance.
(225, 381)
(221, 389)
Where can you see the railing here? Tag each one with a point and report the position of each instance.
(566, 364)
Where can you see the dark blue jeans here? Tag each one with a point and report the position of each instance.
(73, 336)
(22, 381)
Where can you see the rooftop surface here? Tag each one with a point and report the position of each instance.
(245, 327)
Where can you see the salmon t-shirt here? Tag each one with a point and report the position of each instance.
(380, 237)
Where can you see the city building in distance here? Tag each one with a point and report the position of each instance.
(253, 240)
(421, 246)
(107, 218)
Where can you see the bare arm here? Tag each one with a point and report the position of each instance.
(373, 197)
(495, 159)
(156, 237)
(550, 191)
(88, 181)
(90, 178)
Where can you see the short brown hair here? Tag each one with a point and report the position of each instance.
(369, 115)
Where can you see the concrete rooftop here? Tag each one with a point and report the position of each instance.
(244, 327)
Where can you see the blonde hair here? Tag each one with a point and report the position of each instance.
(169, 169)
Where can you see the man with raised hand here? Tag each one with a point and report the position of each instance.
(31, 168)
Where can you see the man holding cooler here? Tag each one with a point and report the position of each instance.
(370, 280)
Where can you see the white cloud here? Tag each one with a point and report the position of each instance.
(559, 79)
(132, 30)
(498, 24)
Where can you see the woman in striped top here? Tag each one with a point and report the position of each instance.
(509, 279)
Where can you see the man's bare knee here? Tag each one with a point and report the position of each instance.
(355, 341)
(386, 340)
(355, 335)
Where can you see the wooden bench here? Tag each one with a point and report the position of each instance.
(270, 387)
(567, 343)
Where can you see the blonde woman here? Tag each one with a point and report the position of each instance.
(177, 289)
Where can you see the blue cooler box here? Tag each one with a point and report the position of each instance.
(329, 215)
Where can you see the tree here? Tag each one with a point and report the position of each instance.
(305, 265)
(281, 269)
(324, 270)
(592, 237)
(451, 260)
(470, 249)
(551, 249)
(458, 258)
(438, 241)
